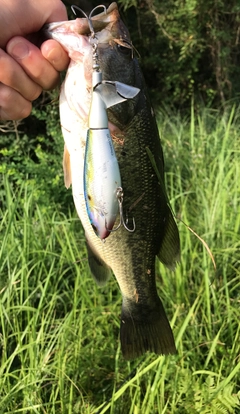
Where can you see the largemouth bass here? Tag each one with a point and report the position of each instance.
(129, 255)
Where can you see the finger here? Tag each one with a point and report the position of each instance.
(55, 54)
(12, 105)
(20, 18)
(58, 11)
(12, 75)
(32, 61)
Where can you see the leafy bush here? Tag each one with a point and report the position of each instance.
(187, 48)
(31, 152)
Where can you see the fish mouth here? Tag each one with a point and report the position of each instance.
(106, 25)
(98, 21)
(76, 37)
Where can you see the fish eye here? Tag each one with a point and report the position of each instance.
(125, 50)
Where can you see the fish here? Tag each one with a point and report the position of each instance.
(130, 256)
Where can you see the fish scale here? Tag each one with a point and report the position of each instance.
(130, 256)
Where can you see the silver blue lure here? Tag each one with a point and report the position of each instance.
(102, 180)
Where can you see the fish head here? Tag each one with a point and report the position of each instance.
(114, 56)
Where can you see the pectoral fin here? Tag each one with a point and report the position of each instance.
(67, 168)
(169, 253)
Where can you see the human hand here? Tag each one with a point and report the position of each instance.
(25, 70)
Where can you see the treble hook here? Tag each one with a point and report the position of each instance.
(122, 221)
(90, 16)
(73, 7)
(93, 38)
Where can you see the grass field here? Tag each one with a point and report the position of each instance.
(59, 332)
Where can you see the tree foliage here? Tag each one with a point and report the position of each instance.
(31, 153)
(187, 47)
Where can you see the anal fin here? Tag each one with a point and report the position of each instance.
(100, 271)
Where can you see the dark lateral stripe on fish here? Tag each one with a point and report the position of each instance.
(139, 335)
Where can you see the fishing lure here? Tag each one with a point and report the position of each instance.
(103, 192)
(102, 181)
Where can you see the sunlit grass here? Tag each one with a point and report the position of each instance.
(59, 332)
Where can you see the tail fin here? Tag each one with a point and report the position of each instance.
(145, 329)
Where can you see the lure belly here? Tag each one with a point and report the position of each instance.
(101, 181)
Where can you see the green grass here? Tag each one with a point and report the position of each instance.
(59, 332)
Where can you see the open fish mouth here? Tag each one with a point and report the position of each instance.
(108, 19)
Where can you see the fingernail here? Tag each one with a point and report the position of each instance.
(53, 56)
(19, 51)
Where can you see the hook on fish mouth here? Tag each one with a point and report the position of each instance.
(93, 38)
(100, 6)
